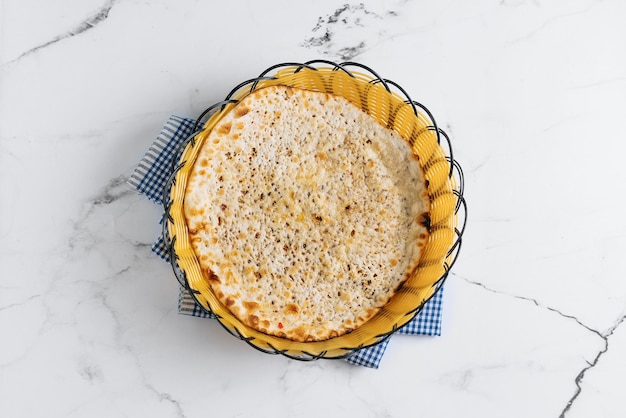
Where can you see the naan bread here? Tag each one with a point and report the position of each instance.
(305, 214)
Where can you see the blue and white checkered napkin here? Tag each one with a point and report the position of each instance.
(149, 179)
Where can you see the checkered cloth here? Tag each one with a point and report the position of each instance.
(149, 179)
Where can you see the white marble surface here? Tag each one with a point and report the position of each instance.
(533, 95)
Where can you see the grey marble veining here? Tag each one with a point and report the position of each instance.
(531, 94)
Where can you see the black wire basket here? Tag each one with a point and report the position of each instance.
(392, 107)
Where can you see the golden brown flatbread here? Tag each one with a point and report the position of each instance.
(305, 214)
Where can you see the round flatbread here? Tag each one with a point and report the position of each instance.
(305, 214)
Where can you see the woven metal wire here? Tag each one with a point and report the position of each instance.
(443, 140)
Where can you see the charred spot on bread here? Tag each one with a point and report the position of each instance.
(224, 129)
(291, 309)
(241, 111)
(253, 320)
(209, 274)
(251, 306)
(424, 220)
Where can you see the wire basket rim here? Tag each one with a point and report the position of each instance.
(455, 172)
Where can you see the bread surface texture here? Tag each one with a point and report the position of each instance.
(305, 214)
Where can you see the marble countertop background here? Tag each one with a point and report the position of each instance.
(533, 95)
